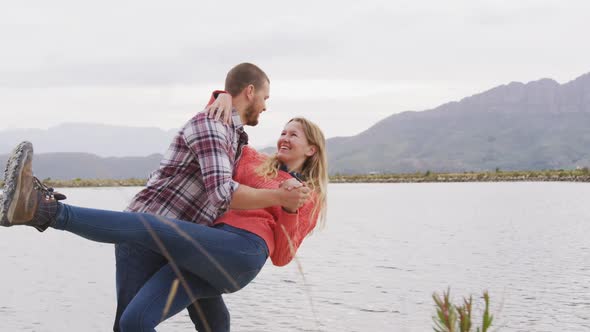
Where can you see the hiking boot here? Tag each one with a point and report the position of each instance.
(26, 200)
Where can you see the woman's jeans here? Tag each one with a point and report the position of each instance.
(208, 261)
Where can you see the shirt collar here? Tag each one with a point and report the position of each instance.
(239, 127)
(236, 119)
(296, 175)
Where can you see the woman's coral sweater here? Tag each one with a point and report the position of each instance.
(283, 232)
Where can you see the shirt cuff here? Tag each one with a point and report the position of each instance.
(233, 185)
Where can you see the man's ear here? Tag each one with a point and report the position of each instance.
(250, 92)
(311, 150)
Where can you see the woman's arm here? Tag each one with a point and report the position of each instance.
(220, 105)
(290, 230)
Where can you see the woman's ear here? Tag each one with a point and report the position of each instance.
(311, 150)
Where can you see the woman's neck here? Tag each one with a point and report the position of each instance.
(293, 168)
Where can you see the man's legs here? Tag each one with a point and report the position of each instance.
(215, 312)
(150, 306)
(135, 265)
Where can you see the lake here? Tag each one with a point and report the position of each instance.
(385, 250)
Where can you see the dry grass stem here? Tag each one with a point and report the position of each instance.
(171, 296)
(305, 284)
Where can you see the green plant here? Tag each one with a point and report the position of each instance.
(453, 318)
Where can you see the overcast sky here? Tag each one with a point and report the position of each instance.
(344, 64)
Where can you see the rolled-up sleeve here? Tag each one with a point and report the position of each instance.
(210, 141)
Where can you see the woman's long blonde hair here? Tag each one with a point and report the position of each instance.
(314, 170)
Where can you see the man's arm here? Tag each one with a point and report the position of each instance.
(248, 198)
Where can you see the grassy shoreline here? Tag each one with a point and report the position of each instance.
(582, 175)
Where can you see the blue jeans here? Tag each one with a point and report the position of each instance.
(136, 265)
(208, 261)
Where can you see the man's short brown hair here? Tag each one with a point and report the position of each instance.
(242, 75)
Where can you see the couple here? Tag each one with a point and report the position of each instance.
(209, 217)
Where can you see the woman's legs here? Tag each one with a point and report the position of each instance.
(28, 202)
(228, 260)
(148, 307)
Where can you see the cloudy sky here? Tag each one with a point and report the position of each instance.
(344, 64)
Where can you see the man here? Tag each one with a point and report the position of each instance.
(194, 183)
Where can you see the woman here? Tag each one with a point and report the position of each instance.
(208, 261)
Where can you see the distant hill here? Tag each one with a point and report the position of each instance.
(102, 140)
(68, 166)
(538, 125)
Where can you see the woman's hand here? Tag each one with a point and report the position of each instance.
(221, 108)
(291, 184)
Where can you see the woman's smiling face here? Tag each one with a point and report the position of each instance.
(293, 147)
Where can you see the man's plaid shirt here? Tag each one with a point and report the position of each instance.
(194, 180)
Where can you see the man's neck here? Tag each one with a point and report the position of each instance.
(241, 107)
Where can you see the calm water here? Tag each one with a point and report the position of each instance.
(386, 249)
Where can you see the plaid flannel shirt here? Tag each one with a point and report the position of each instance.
(194, 181)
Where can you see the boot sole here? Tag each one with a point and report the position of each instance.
(12, 181)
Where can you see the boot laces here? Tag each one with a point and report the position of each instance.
(48, 192)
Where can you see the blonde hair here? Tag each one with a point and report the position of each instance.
(314, 170)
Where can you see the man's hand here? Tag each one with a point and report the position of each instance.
(220, 107)
(292, 199)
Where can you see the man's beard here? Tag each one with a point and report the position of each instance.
(251, 116)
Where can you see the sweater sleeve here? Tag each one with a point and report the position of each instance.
(289, 232)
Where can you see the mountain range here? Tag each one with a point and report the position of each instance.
(537, 125)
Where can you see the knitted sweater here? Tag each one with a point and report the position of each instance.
(280, 230)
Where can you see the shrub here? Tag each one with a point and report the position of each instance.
(458, 318)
